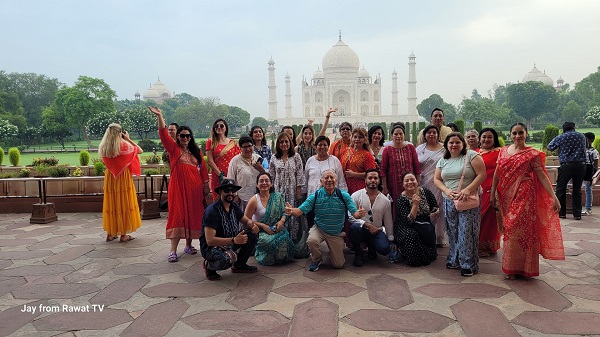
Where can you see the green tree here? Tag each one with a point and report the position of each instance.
(588, 90)
(139, 121)
(35, 92)
(485, 109)
(260, 121)
(7, 130)
(477, 126)
(237, 117)
(200, 113)
(89, 97)
(593, 116)
(98, 124)
(531, 99)
(572, 112)
(55, 125)
(436, 101)
(550, 133)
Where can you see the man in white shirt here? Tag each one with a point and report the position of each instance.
(378, 215)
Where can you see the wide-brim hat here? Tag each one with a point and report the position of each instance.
(227, 183)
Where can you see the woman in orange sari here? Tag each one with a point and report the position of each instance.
(522, 191)
(120, 210)
(219, 152)
(489, 236)
(357, 160)
(188, 187)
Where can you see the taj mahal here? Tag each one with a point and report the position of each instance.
(343, 85)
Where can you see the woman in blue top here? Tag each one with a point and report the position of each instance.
(462, 226)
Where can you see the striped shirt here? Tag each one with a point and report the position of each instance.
(330, 211)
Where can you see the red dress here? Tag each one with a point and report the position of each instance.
(186, 190)
(489, 237)
(339, 148)
(531, 227)
(395, 162)
(357, 161)
(222, 155)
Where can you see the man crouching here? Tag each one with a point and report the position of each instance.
(223, 243)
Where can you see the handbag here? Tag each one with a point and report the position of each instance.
(472, 200)
(426, 232)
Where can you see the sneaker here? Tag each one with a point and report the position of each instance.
(450, 266)
(211, 275)
(372, 253)
(587, 212)
(466, 272)
(314, 265)
(244, 269)
(358, 260)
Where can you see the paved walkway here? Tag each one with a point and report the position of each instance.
(70, 282)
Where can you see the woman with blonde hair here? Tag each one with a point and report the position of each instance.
(120, 209)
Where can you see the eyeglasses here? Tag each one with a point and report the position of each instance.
(228, 190)
(345, 129)
(220, 126)
(247, 146)
(370, 213)
(185, 135)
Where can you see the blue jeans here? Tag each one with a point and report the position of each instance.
(378, 241)
(463, 235)
(589, 197)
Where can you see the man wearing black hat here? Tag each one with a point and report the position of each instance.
(571, 147)
(223, 243)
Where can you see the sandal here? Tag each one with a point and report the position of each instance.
(510, 276)
(190, 250)
(173, 257)
(129, 238)
(110, 238)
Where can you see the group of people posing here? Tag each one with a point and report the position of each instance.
(361, 192)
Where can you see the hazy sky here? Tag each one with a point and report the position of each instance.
(221, 48)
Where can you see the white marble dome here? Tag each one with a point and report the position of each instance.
(151, 93)
(536, 75)
(340, 59)
(363, 73)
(319, 74)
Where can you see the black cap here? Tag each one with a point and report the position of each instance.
(227, 183)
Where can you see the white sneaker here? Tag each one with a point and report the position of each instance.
(587, 212)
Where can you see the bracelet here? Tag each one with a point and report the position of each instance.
(233, 241)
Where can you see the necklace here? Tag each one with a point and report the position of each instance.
(247, 161)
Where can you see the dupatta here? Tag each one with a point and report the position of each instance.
(511, 171)
(274, 210)
(127, 158)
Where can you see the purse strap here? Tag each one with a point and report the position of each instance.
(462, 177)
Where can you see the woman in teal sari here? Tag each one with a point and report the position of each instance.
(266, 209)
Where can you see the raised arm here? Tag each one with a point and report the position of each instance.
(161, 121)
(327, 116)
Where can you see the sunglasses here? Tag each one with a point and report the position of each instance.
(185, 135)
(345, 129)
(220, 126)
(228, 190)
(370, 215)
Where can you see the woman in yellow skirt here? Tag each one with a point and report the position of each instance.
(120, 210)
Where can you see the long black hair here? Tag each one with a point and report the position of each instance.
(372, 131)
(192, 146)
(496, 140)
(264, 139)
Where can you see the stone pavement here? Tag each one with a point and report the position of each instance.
(85, 286)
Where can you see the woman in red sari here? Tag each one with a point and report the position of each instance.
(188, 186)
(357, 160)
(522, 191)
(489, 236)
(219, 152)
(120, 210)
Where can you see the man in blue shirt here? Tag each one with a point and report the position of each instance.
(330, 205)
(571, 147)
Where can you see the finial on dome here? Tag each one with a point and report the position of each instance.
(340, 35)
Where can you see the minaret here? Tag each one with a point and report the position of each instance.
(272, 91)
(288, 97)
(394, 93)
(412, 85)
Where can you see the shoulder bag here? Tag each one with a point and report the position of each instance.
(472, 200)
